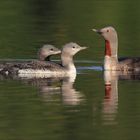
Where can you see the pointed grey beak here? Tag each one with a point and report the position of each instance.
(97, 31)
(83, 48)
(59, 51)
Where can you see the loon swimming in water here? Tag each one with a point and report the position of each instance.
(52, 69)
(111, 61)
(44, 53)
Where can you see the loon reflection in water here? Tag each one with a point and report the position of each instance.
(63, 89)
(110, 101)
(50, 88)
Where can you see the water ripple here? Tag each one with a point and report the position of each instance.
(95, 68)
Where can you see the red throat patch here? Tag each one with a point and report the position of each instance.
(107, 48)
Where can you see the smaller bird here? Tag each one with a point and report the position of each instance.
(44, 54)
(46, 51)
(50, 69)
(111, 61)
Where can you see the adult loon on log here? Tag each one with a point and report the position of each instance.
(111, 61)
(49, 68)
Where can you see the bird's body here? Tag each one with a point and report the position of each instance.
(44, 53)
(47, 67)
(111, 60)
(129, 64)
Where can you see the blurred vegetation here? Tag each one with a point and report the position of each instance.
(26, 25)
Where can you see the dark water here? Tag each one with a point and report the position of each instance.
(57, 109)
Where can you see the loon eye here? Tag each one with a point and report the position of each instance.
(107, 30)
(51, 49)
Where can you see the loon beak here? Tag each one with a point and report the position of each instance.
(59, 51)
(97, 31)
(83, 48)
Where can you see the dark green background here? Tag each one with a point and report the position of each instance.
(25, 25)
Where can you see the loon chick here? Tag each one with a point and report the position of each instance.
(44, 53)
(51, 69)
(111, 61)
(68, 51)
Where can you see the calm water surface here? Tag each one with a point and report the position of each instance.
(97, 105)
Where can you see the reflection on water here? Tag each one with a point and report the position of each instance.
(110, 102)
(59, 105)
(69, 94)
(51, 86)
(64, 86)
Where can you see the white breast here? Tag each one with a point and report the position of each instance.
(72, 69)
(45, 73)
(107, 63)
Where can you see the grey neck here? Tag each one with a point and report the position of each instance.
(67, 60)
(114, 50)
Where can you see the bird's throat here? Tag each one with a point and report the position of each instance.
(107, 48)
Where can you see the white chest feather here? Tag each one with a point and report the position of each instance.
(72, 69)
(107, 63)
(110, 63)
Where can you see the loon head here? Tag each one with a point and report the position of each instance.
(72, 48)
(111, 41)
(108, 33)
(46, 51)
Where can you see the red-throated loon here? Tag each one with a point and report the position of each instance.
(111, 61)
(52, 69)
(44, 53)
